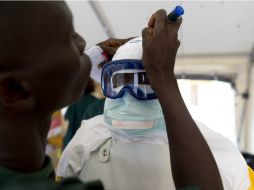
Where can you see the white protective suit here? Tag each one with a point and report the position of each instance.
(97, 151)
(140, 164)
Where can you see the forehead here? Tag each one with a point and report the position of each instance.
(54, 18)
(29, 27)
(50, 27)
(31, 21)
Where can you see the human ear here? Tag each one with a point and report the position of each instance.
(15, 95)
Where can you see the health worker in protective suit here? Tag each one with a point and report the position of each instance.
(127, 146)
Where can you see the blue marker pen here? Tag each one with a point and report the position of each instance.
(175, 14)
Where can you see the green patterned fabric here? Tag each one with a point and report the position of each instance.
(41, 180)
(45, 173)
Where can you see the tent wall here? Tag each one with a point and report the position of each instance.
(246, 115)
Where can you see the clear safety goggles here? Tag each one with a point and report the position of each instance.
(121, 76)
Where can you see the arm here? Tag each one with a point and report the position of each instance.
(191, 159)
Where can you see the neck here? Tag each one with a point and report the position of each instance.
(23, 141)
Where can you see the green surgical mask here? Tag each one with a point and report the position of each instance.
(129, 116)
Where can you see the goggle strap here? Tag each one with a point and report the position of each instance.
(134, 71)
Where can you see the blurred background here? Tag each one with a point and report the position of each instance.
(214, 63)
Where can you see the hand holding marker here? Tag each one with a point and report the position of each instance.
(175, 14)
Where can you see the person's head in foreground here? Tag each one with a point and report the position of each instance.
(42, 69)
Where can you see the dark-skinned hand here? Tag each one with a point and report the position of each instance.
(160, 45)
(111, 45)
